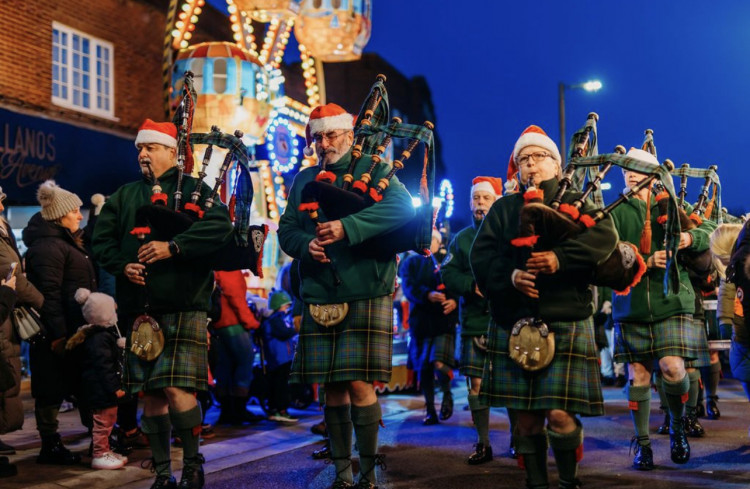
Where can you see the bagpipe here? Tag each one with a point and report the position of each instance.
(373, 133)
(542, 227)
(157, 221)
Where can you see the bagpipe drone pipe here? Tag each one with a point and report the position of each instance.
(541, 227)
(157, 221)
(373, 133)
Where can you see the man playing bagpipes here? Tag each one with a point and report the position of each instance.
(474, 313)
(177, 283)
(345, 337)
(652, 322)
(553, 287)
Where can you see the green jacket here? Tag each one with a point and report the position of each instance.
(362, 278)
(646, 301)
(175, 284)
(474, 313)
(564, 295)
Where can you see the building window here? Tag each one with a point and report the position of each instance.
(82, 71)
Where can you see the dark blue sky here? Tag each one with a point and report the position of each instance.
(679, 68)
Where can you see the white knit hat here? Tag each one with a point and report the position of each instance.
(325, 118)
(643, 156)
(56, 201)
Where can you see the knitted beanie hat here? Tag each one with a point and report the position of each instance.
(278, 298)
(56, 201)
(98, 308)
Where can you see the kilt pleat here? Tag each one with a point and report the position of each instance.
(472, 358)
(358, 348)
(571, 382)
(703, 358)
(184, 361)
(644, 342)
(439, 348)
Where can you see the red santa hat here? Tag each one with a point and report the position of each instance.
(492, 185)
(157, 132)
(531, 136)
(326, 118)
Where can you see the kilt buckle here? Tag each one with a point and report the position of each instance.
(531, 344)
(328, 314)
(147, 342)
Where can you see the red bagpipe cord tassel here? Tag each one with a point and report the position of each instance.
(587, 220)
(196, 209)
(662, 219)
(570, 210)
(521, 463)
(579, 453)
(325, 176)
(641, 271)
(140, 230)
(308, 206)
(159, 198)
(529, 241)
(361, 186)
(232, 204)
(645, 244)
(696, 219)
(533, 194)
(710, 206)
(375, 196)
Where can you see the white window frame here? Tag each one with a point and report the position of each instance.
(66, 97)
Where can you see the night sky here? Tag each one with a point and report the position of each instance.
(679, 68)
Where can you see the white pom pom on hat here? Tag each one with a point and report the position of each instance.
(99, 309)
(56, 201)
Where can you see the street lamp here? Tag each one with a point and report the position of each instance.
(589, 86)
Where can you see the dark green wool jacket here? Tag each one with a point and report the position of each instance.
(564, 295)
(646, 301)
(362, 278)
(474, 312)
(175, 284)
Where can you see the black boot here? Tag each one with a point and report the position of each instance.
(664, 428)
(431, 418)
(482, 454)
(241, 414)
(446, 407)
(226, 413)
(712, 409)
(323, 452)
(7, 469)
(644, 456)
(192, 473)
(53, 452)
(678, 443)
(692, 426)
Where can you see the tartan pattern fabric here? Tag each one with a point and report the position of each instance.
(358, 348)
(472, 358)
(704, 358)
(427, 351)
(571, 382)
(184, 361)
(645, 342)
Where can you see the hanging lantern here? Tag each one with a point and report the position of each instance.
(334, 30)
(265, 10)
(233, 88)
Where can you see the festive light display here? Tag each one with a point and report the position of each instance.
(308, 73)
(334, 30)
(446, 196)
(265, 10)
(185, 23)
(282, 145)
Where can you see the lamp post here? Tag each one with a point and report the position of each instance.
(589, 86)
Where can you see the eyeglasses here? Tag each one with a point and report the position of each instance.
(535, 157)
(329, 136)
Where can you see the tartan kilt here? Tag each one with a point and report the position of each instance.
(427, 351)
(571, 382)
(645, 342)
(703, 358)
(472, 358)
(184, 361)
(358, 348)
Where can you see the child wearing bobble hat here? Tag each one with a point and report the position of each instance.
(279, 342)
(101, 365)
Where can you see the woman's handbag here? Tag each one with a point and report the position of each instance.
(28, 323)
(531, 344)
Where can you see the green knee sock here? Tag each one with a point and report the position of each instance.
(366, 421)
(639, 401)
(568, 450)
(339, 426)
(513, 422)
(480, 412)
(532, 452)
(662, 395)
(692, 401)
(712, 384)
(675, 392)
(158, 430)
(187, 425)
(46, 419)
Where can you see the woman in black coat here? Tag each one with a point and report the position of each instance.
(57, 264)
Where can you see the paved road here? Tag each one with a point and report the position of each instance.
(267, 456)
